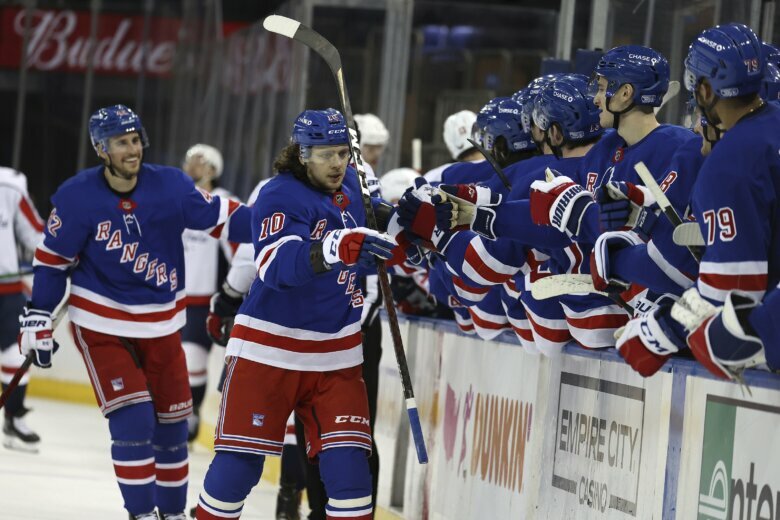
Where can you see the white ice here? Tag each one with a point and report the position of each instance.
(72, 476)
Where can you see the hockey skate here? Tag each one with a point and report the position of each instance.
(17, 435)
(145, 516)
(288, 503)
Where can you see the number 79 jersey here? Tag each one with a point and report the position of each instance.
(736, 201)
(295, 318)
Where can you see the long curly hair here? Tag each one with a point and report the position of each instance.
(287, 162)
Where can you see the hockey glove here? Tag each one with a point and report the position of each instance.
(606, 245)
(35, 335)
(648, 340)
(721, 338)
(222, 311)
(559, 203)
(467, 206)
(625, 206)
(356, 246)
(416, 211)
(406, 248)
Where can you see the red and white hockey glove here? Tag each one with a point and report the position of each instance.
(721, 338)
(35, 335)
(223, 308)
(648, 340)
(559, 203)
(606, 245)
(406, 248)
(358, 245)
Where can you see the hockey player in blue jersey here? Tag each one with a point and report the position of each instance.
(735, 196)
(116, 230)
(296, 342)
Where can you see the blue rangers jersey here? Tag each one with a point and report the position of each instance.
(294, 318)
(736, 201)
(610, 159)
(124, 251)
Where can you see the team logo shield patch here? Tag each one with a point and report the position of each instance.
(258, 419)
(117, 384)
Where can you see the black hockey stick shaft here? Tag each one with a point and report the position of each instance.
(19, 374)
(9, 389)
(315, 41)
(492, 160)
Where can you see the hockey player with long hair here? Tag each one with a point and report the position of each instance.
(296, 342)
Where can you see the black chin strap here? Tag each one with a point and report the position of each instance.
(711, 118)
(616, 114)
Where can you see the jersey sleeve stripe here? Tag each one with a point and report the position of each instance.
(46, 257)
(669, 270)
(266, 255)
(482, 267)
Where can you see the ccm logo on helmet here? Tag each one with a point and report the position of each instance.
(352, 419)
(337, 131)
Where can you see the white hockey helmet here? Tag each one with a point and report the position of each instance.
(372, 130)
(457, 129)
(210, 155)
(393, 184)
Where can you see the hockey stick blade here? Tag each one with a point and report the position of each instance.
(490, 159)
(663, 201)
(327, 51)
(688, 234)
(560, 284)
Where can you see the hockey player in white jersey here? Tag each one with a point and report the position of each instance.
(205, 260)
(19, 225)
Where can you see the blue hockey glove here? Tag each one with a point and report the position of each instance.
(35, 335)
(626, 206)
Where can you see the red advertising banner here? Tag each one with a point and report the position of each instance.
(59, 40)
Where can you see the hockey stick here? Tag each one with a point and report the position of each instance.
(492, 160)
(560, 284)
(315, 41)
(671, 93)
(23, 272)
(688, 234)
(663, 202)
(28, 360)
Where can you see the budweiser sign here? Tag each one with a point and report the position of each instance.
(59, 40)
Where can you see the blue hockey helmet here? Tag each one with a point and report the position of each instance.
(320, 128)
(729, 57)
(565, 102)
(507, 124)
(485, 114)
(527, 95)
(645, 69)
(113, 121)
(770, 86)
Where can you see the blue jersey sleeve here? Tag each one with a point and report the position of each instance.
(66, 234)
(280, 232)
(214, 214)
(481, 262)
